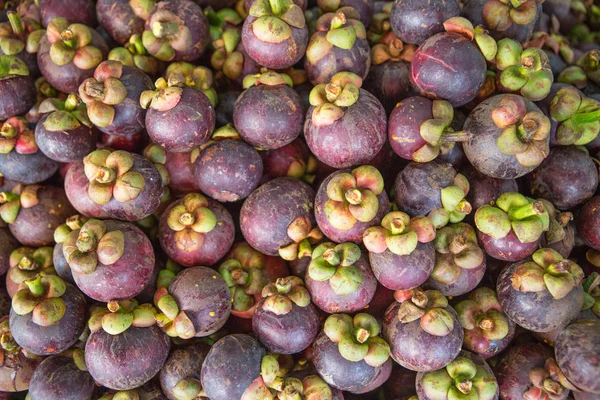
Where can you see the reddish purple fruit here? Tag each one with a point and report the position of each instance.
(485, 189)
(181, 373)
(27, 263)
(18, 366)
(16, 87)
(123, 18)
(79, 11)
(588, 227)
(293, 160)
(414, 21)
(62, 377)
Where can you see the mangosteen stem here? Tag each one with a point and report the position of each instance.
(28, 264)
(8, 343)
(453, 137)
(187, 219)
(528, 210)
(85, 242)
(551, 386)
(564, 218)
(276, 6)
(283, 285)
(8, 131)
(338, 21)
(527, 130)
(486, 323)
(35, 286)
(164, 29)
(15, 22)
(593, 59)
(71, 102)
(68, 38)
(457, 244)
(105, 175)
(135, 46)
(562, 267)
(464, 385)
(528, 62)
(396, 47)
(419, 299)
(331, 257)
(239, 276)
(397, 226)
(332, 91)
(94, 89)
(586, 118)
(362, 335)
(353, 196)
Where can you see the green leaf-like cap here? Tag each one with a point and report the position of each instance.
(166, 96)
(72, 43)
(281, 296)
(16, 135)
(483, 313)
(118, 316)
(398, 233)
(27, 263)
(335, 263)
(303, 236)
(579, 117)
(170, 318)
(11, 66)
(167, 34)
(64, 115)
(191, 220)
(197, 77)
(429, 307)
(41, 296)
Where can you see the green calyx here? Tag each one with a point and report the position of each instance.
(303, 237)
(501, 14)
(16, 135)
(281, 296)
(41, 296)
(226, 59)
(558, 221)
(548, 382)
(174, 321)
(8, 346)
(483, 313)
(196, 77)
(275, 19)
(188, 389)
(167, 34)
(455, 206)
(110, 176)
(390, 48)
(457, 249)
(221, 21)
(526, 71)
(134, 54)
(118, 316)
(438, 133)
(357, 338)
(191, 220)
(429, 307)
(340, 29)
(331, 99)
(102, 92)
(556, 43)
(266, 77)
(11, 202)
(64, 115)
(462, 379)
(27, 264)
(72, 223)
(479, 36)
(573, 75)
(166, 275)
(84, 248)
(590, 63)
(142, 8)
(579, 117)
(524, 134)
(72, 43)
(273, 371)
(591, 298)
(399, 234)
(525, 216)
(121, 395)
(335, 264)
(78, 357)
(548, 271)
(352, 197)
(165, 97)
(11, 66)
(18, 35)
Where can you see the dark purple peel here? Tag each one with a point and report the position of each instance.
(508, 248)
(184, 363)
(53, 339)
(588, 224)
(468, 280)
(18, 96)
(7, 244)
(230, 367)
(403, 272)
(57, 377)
(485, 189)
(181, 173)
(27, 168)
(414, 21)
(66, 145)
(61, 265)
(80, 11)
(228, 170)
(119, 19)
(389, 82)
(127, 360)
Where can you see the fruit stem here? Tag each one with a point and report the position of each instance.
(332, 91)
(276, 6)
(457, 244)
(564, 218)
(8, 131)
(68, 38)
(239, 276)
(71, 102)
(35, 286)
(586, 118)
(338, 21)
(105, 175)
(464, 385)
(27, 263)
(550, 385)
(486, 324)
(85, 242)
(15, 22)
(419, 299)
(528, 63)
(353, 196)
(8, 343)
(362, 335)
(94, 89)
(331, 257)
(135, 46)
(528, 210)
(187, 219)
(397, 226)
(164, 29)
(452, 137)
(561, 267)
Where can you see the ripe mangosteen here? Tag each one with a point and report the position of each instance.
(423, 331)
(61, 265)
(487, 329)
(452, 65)
(349, 353)
(275, 34)
(125, 348)
(7, 245)
(68, 54)
(285, 320)
(18, 364)
(511, 229)
(414, 21)
(349, 202)
(27, 263)
(231, 61)
(179, 167)
(33, 212)
(176, 30)
(401, 254)
(196, 231)
(20, 37)
(47, 315)
(20, 157)
(16, 86)
(587, 226)
(339, 44)
(180, 376)
(549, 283)
(123, 18)
(114, 184)
(293, 160)
(134, 54)
(484, 189)
(79, 11)
(196, 77)
(364, 8)
(339, 278)
(345, 125)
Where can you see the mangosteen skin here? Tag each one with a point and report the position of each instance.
(78, 11)
(129, 275)
(118, 19)
(27, 168)
(485, 189)
(269, 117)
(327, 300)
(230, 367)
(567, 178)
(18, 95)
(414, 21)
(129, 114)
(290, 333)
(181, 173)
(224, 110)
(389, 82)
(7, 244)
(417, 350)
(352, 140)
(467, 281)
(403, 272)
(216, 242)
(404, 125)
(34, 227)
(65, 146)
(16, 375)
(53, 339)
(76, 186)
(68, 77)
(401, 385)
(127, 360)
(476, 343)
(577, 352)
(182, 363)
(482, 150)
(354, 234)
(270, 209)
(417, 187)
(200, 292)
(588, 223)
(525, 308)
(449, 66)
(185, 126)
(512, 371)
(340, 373)
(57, 377)
(228, 170)
(508, 248)
(61, 266)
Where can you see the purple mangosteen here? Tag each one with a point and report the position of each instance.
(414, 21)
(180, 376)
(123, 18)
(27, 263)
(17, 88)
(18, 364)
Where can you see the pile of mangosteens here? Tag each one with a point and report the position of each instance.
(299, 200)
